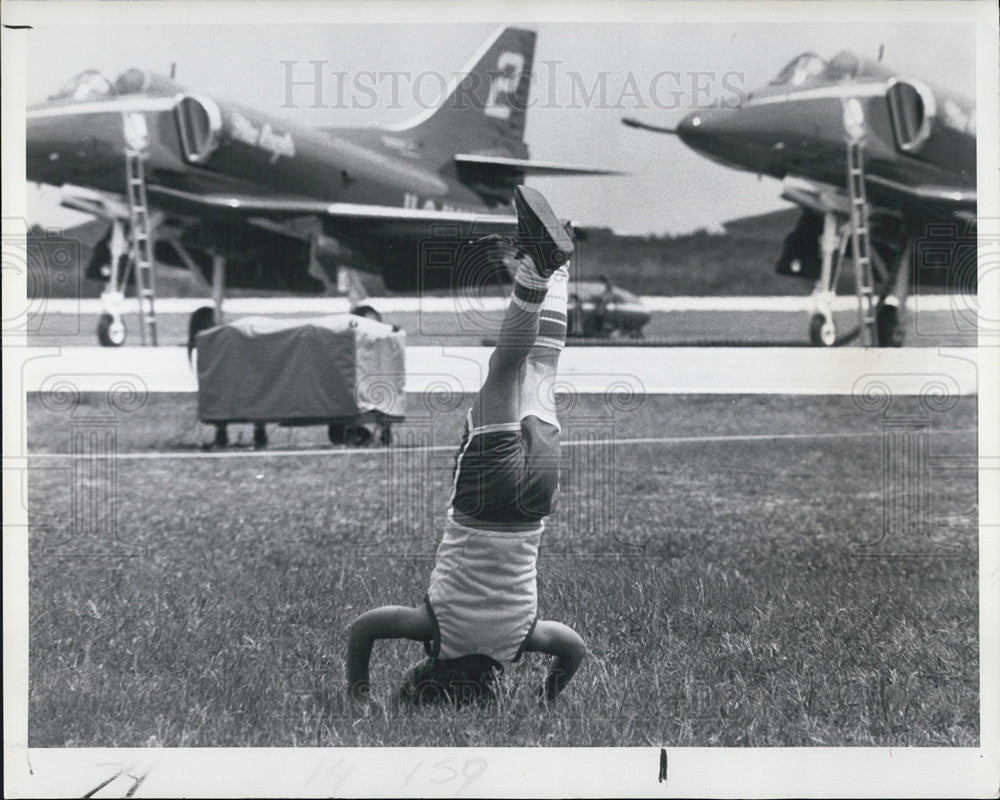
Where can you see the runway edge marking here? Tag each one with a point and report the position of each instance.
(669, 370)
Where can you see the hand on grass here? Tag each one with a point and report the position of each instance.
(360, 692)
(546, 698)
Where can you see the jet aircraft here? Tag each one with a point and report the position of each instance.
(286, 206)
(919, 175)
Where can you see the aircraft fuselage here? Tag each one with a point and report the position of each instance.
(920, 141)
(228, 147)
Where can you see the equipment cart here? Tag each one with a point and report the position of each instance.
(342, 371)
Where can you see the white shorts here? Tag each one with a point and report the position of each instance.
(483, 594)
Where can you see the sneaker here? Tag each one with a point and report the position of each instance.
(540, 233)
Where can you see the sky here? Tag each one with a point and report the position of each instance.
(669, 190)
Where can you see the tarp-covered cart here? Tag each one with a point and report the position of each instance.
(342, 371)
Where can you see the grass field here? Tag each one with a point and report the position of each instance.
(716, 580)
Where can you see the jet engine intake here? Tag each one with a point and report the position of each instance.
(200, 124)
(912, 109)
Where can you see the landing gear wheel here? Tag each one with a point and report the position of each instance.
(259, 436)
(822, 332)
(110, 333)
(887, 326)
(367, 312)
(221, 436)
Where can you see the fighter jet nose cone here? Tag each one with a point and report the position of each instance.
(690, 128)
(712, 131)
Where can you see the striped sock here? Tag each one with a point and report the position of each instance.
(529, 288)
(552, 318)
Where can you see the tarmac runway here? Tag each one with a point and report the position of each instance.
(930, 321)
(626, 371)
(340, 305)
(445, 352)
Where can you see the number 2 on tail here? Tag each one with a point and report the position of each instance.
(504, 85)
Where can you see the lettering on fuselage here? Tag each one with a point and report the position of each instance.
(264, 137)
(402, 146)
(411, 200)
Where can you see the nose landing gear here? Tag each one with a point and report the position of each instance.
(822, 330)
(111, 331)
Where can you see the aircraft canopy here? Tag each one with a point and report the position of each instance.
(88, 85)
(809, 66)
(92, 85)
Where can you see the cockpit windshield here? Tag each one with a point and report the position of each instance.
(843, 66)
(89, 85)
(799, 70)
(134, 81)
(92, 85)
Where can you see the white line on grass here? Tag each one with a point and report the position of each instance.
(750, 437)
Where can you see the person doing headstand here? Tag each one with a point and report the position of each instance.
(480, 610)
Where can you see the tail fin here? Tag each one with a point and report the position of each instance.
(485, 108)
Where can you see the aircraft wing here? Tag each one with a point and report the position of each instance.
(376, 220)
(958, 195)
(523, 166)
(816, 196)
(99, 204)
(822, 197)
(379, 224)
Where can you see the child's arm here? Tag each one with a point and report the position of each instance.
(562, 642)
(387, 622)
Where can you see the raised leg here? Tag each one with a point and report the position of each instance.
(499, 399)
(525, 363)
(533, 332)
(538, 395)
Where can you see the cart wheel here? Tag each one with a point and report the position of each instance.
(385, 435)
(358, 436)
(367, 312)
(259, 436)
(337, 433)
(221, 436)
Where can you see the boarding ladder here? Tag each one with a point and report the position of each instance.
(860, 243)
(141, 243)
